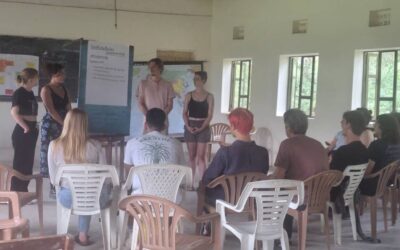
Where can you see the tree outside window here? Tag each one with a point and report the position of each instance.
(381, 75)
(302, 86)
(240, 84)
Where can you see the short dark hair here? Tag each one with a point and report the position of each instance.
(296, 121)
(54, 68)
(157, 61)
(366, 113)
(155, 119)
(390, 128)
(202, 74)
(356, 120)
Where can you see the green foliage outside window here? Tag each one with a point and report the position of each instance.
(240, 84)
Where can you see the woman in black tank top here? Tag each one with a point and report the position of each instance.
(197, 114)
(57, 103)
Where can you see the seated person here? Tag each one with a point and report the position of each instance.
(154, 147)
(381, 152)
(74, 146)
(242, 156)
(367, 136)
(353, 153)
(299, 156)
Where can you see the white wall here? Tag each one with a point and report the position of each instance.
(335, 30)
(182, 25)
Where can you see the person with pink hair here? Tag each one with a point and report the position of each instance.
(242, 156)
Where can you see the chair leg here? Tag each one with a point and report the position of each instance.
(285, 240)
(327, 231)
(63, 217)
(40, 211)
(135, 234)
(25, 231)
(113, 223)
(337, 227)
(353, 220)
(123, 222)
(322, 223)
(384, 208)
(105, 227)
(393, 204)
(372, 201)
(268, 244)
(247, 242)
(302, 228)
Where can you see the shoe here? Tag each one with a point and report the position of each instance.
(81, 243)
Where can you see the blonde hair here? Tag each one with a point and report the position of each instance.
(74, 136)
(27, 74)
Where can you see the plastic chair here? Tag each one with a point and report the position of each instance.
(6, 174)
(263, 137)
(54, 242)
(355, 174)
(15, 224)
(273, 198)
(158, 220)
(317, 194)
(161, 180)
(218, 132)
(383, 176)
(85, 182)
(233, 186)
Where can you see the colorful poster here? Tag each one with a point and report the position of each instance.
(10, 68)
(181, 77)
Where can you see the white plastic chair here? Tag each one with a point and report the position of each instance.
(161, 180)
(263, 137)
(355, 174)
(273, 198)
(85, 182)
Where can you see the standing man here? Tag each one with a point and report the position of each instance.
(155, 92)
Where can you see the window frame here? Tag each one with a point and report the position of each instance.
(366, 76)
(233, 79)
(313, 83)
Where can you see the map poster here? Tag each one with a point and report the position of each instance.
(107, 74)
(181, 77)
(10, 67)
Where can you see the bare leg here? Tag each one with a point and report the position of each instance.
(192, 148)
(201, 160)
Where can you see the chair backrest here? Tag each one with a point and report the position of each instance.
(217, 132)
(162, 180)
(318, 189)
(355, 174)
(263, 137)
(157, 219)
(273, 198)
(86, 182)
(385, 175)
(233, 185)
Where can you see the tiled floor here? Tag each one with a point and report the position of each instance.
(315, 239)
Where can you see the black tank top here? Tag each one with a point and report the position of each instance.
(198, 109)
(60, 103)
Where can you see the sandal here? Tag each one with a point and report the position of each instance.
(83, 243)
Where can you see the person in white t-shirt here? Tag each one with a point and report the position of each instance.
(153, 147)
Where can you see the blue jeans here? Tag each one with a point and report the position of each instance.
(65, 198)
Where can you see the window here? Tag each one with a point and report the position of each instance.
(240, 84)
(381, 93)
(302, 83)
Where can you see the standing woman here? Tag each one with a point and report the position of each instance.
(197, 114)
(24, 111)
(57, 103)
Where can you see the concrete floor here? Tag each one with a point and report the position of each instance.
(315, 239)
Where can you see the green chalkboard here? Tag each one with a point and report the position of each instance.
(48, 50)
